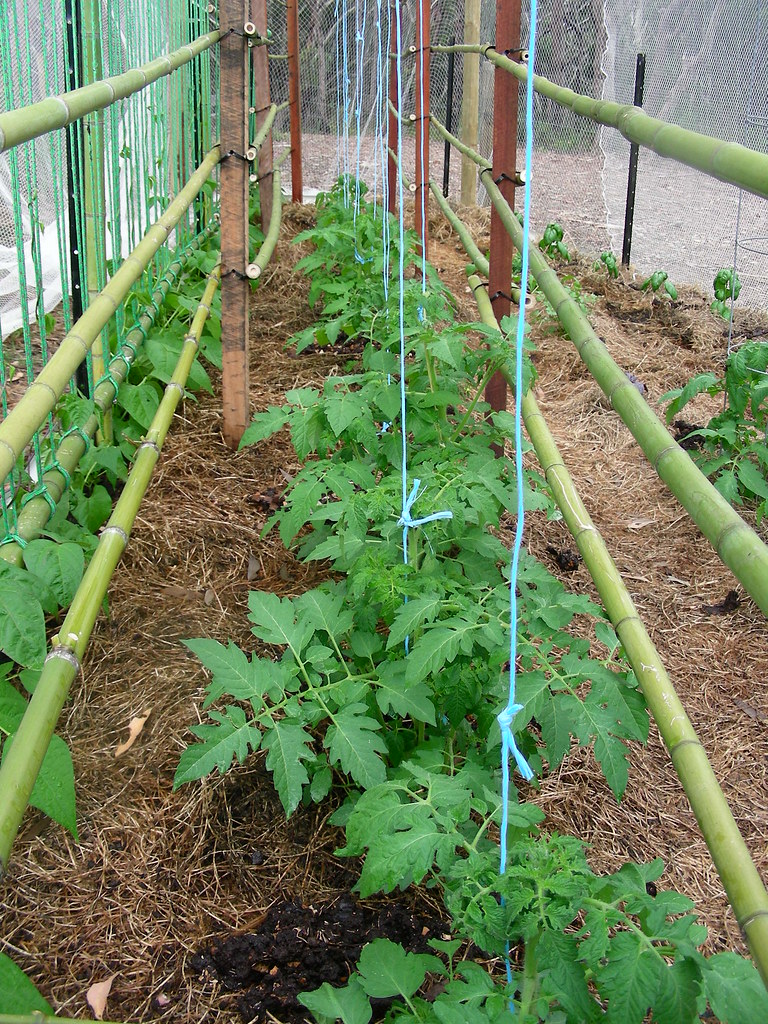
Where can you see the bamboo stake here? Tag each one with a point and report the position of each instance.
(743, 885)
(22, 763)
(422, 87)
(726, 161)
(470, 102)
(394, 113)
(254, 270)
(41, 396)
(36, 119)
(36, 512)
(736, 544)
(262, 100)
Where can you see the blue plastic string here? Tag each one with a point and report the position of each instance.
(506, 717)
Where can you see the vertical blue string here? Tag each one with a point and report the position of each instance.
(506, 718)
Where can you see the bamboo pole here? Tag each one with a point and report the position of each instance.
(743, 885)
(36, 119)
(255, 269)
(41, 396)
(94, 200)
(20, 767)
(394, 113)
(36, 512)
(726, 161)
(294, 94)
(505, 104)
(736, 544)
(422, 88)
(480, 262)
(470, 102)
(262, 100)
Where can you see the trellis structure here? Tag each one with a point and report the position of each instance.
(244, 155)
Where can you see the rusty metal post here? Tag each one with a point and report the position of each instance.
(421, 196)
(505, 103)
(262, 102)
(233, 127)
(392, 171)
(294, 99)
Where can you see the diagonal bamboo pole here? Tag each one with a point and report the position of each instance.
(22, 764)
(264, 255)
(743, 885)
(36, 512)
(36, 119)
(41, 396)
(727, 161)
(738, 546)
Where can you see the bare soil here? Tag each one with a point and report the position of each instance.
(189, 898)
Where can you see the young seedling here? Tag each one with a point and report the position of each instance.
(552, 243)
(608, 260)
(660, 279)
(727, 287)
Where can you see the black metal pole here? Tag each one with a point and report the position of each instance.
(634, 150)
(449, 119)
(74, 139)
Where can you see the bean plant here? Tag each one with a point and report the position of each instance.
(382, 686)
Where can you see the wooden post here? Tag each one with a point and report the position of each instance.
(470, 103)
(505, 96)
(294, 98)
(392, 171)
(421, 195)
(262, 101)
(235, 288)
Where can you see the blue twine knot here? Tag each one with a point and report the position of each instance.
(505, 719)
(407, 522)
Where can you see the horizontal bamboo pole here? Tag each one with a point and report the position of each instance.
(738, 546)
(36, 512)
(36, 119)
(19, 770)
(468, 242)
(18, 428)
(254, 270)
(743, 885)
(726, 161)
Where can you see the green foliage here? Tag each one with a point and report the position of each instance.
(17, 993)
(727, 286)
(552, 242)
(734, 450)
(608, 260)
(660, 280)
(385, 682)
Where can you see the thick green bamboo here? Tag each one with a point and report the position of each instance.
(743, 885)
(738, 546)
(263, 132)
(22, 764)
(41, 396)
(36, 512)
(254, 270)
(36, 119)
(726, 161)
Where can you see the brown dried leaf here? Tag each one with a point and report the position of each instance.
(97, 995)
(134, 729)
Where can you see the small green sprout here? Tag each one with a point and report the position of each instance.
(658, 280)
(727, 286)
(552, 242)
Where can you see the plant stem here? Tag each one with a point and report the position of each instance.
(530, 976)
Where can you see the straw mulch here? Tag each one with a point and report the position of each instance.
(158, 877)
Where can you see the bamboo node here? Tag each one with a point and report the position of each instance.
(118, 530)
(144, 444)
(62, 653)
(174, 383)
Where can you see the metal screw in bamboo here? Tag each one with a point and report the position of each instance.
(36, 512)
(736, 544)
(36, 119)
(22, 764)
(726, 161)
(41, 396)
(743, 885)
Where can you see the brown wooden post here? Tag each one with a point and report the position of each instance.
(392, 172)
(505, 96)
(421, 196)
(294, 99)
(262, 102)
(235, 289)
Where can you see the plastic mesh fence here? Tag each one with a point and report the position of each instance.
(706, 69)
